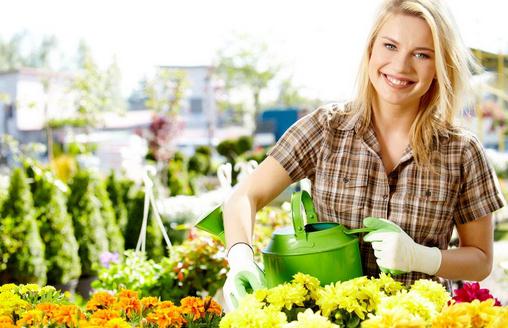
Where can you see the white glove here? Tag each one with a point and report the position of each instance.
(243, 277)
(396, 252)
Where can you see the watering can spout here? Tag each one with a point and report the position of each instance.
(213, 223)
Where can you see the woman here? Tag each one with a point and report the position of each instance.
(393, 153)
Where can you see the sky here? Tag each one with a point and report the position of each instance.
(319, 42)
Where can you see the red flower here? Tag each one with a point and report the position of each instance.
(472, 291)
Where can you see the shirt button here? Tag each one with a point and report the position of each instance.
(346, 180)
(385, 196)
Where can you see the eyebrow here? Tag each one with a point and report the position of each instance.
(417, 48)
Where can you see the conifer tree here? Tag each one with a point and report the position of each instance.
(55, 225)
(26, 264)
(89, 229)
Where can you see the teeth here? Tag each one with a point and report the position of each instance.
(396, 81)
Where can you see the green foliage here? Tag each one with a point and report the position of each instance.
(227, 148)
(242, 64)
(135, 272)
(26, 262)
(193, 267)
(96, 90)
(205, 150)
(13, 54)
(118, 190)
(78, 122)
(55, 225)
(115, 237)
(257, 155)
(89, 228)
(154, 246)
(178, 179)
(165, 90)
(199, 164)
(243, 144)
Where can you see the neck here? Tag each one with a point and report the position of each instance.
(393, 119)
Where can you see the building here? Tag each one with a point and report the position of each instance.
(35, 96)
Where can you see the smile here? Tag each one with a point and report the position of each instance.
(397, 83)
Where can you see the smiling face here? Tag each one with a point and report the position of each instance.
(401, 65)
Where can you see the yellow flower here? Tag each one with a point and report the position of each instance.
(387, 284)
(359, 296)
(47, 290)
(394, 318)
(117, 323)
(8, 288)
(286, 295)
(501, 319)
(250, 313)
(310, 283)
(433, 291)
(309, 319)
(412, 302)
(24, 289)
(10, 302)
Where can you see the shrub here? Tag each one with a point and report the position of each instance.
(115, 237)
(56, 228)
(26, 262)
(118, 190)
(89, 227)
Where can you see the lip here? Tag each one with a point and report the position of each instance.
(397, 86)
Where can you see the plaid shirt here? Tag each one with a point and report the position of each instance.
(349, 181)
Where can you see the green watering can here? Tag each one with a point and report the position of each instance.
(325, 250)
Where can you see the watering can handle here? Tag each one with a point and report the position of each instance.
(297, 199)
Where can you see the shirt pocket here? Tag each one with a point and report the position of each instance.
(428, 211)
(351, 196)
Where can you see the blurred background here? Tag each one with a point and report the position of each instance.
(91, 92)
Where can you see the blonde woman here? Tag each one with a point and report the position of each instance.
(393, 152)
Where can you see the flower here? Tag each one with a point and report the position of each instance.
(474, 314)
(30, 318)
(394, 318)
(309, 319)
(101, 317)
(149, 302)
(472, 291)
(67, 315)
(211, 306)
(250, 313)
(309, 282)
(131, 306)
(166, 317)
(286, 295)
(106, 258)
(100, 300)
(193, 306)
(117, 323)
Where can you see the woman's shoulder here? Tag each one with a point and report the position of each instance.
(463, 141)
(337, 115)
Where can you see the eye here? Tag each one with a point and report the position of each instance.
(390, 46)
(421, 55)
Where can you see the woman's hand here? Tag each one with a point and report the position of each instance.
(396, 252)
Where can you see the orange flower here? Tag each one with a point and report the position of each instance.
(211, 306)
(128, 293)
(30, 318)
(99, 301)
(6, 322)
(129, 306)
(165, 304)
(193, 305)
(100, 317)
(68, 315)
(149, 302)
(166, 317)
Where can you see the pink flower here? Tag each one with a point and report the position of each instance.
(472, 291)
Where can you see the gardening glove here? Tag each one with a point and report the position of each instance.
(396, 252)
(243, 277)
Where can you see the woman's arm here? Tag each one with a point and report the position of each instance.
(472, 260)
(267, 181)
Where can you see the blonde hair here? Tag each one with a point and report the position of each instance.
(447, 92)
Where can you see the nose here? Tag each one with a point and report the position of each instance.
(402, 62)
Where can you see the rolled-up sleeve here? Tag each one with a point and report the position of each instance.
(480, 193)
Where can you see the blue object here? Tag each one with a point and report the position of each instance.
(281, 118)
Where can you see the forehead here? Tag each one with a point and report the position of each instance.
(409, 30)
